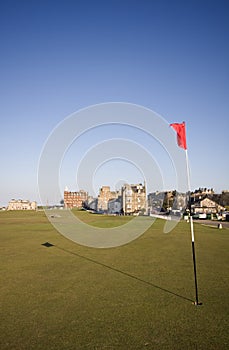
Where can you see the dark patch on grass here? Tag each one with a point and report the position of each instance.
(48, 245)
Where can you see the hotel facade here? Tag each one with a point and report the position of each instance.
(75, 199)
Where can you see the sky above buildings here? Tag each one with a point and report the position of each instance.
(58, 57)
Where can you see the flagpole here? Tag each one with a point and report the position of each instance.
(192, 230)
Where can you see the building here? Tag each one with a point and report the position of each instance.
(201, 193)
(74, 199)
(105, 194)
(115, 205)
(91, 203)
(167, 201)
(21, 204)
(134, 199)
(155, 202)
(206, 206)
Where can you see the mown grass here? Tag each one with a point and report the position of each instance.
(138, 296)
(104, 221)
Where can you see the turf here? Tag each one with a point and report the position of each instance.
(138, 296)
(98, 220)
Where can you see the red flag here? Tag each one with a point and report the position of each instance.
(181, 134)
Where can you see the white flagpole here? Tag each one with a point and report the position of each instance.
(192, 230)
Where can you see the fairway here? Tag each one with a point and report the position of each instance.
(137, 296)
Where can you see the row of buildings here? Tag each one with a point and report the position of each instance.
(133, 200)
(130, 199)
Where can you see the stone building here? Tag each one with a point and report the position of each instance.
(91, 203)
(206, 206)
(20, 204)
(74, 199)
(166, 201)
(105, 194)
(115, 205)
(133, 199)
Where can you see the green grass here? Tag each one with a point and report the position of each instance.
(104, 221)
(138, 296)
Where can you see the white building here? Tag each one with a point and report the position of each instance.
(21, 205)
(114, 206)
(91, 203)
(133, 199)
(206, 206)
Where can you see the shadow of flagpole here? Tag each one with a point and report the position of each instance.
(48, 245)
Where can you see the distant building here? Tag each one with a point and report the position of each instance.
(91, 203)
(206, 206)
(155, 201)
(115, 205)
(133, 199)
(224, 198)
(74, 199)
(201, 193)
(160, 201)
(105, 194)
(21, 204)
(167, 201)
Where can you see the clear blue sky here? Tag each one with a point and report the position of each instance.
(60, 56)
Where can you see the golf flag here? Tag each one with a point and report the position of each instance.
(181, 134)
(181, 140)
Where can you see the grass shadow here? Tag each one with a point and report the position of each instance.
(47, 244)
